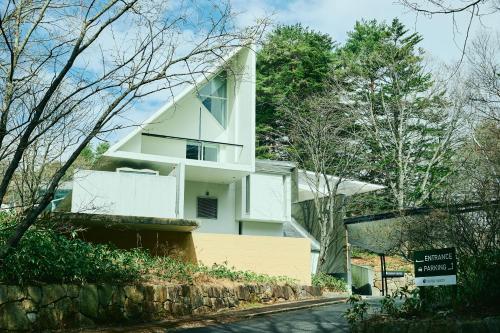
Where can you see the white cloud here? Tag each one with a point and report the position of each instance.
(442, 38)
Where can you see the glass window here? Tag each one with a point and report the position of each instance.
(193, 150)
(202, 151)
(213, 96)
(210, 152)
(247, 194)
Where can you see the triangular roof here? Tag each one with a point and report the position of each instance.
(201, 79)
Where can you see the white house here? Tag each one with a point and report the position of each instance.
(195, 159)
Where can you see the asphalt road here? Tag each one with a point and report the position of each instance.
(319, 319)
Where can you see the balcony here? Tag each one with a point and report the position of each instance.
(129, 193)
(192, 149)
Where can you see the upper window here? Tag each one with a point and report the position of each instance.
(213, 96)
(198, 150)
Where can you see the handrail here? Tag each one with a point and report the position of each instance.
(198, 140)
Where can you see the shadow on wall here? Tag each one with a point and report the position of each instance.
(175, 244)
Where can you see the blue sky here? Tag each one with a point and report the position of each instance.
(442, 39)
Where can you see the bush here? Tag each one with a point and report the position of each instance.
(358, 309)
(412, 304)
(45, 255)
(328, 282)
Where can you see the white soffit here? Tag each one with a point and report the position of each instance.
(347, 187)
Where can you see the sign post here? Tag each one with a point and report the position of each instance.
(436, 267)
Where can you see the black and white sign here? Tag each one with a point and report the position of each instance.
(436, 267)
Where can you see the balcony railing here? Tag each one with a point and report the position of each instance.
(195, 149)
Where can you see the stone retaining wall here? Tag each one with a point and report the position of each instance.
(49, 307)
(393, 284)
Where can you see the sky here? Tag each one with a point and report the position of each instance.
(443, 36)
(442, 39)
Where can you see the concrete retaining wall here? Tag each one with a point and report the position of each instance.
(362, 279)
(51, 307)
(273, 256)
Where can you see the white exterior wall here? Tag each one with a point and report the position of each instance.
(225, 194)
(270, 196)
(262, 229)
(113, 193)
(245, 103)
(314, 261)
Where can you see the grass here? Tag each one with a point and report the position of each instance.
(328, 282)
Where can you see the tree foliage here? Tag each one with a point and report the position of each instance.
(408, 125)
(293, 63)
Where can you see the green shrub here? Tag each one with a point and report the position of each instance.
(45, 255)
(358, 309)
(328, 282)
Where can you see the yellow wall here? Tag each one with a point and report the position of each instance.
(261, 254)
(266, 255)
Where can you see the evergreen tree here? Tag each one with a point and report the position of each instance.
(408, 125)
(293, 63)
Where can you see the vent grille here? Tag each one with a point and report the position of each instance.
(207, 208)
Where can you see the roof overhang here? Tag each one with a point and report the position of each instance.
(307, 186)
(271, 166)
(196, 170)
(121, 222)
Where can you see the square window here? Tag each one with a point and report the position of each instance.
(210, 152)
(193, 150)
(206, 208)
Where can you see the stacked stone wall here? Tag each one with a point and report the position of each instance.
(58, 306)
(393, 284)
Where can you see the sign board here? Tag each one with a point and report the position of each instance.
(436, 267)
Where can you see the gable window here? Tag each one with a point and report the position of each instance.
(196, 150)
(206, 208)
(213, 96)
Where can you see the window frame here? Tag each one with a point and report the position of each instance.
(201, 150)
(202, 97)
(210, 146)
(194, 143)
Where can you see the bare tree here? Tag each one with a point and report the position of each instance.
(483, 82)
(432, 7)
(323, 141)
(475, 9)
(73, 67)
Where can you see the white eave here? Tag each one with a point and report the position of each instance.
(347, 187)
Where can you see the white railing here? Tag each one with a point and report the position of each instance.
(179, 147)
